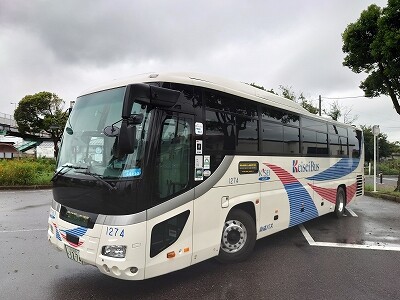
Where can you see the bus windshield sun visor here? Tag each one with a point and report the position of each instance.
(145, 93)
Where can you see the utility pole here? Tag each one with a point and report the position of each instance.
(375, 132)
(319, 105)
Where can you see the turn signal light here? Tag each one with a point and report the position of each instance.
(171, 254)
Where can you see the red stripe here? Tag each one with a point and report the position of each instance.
(283, 175)
(350, 191)
(327, 194)
(330, 194)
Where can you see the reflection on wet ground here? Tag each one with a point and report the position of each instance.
(377, 224)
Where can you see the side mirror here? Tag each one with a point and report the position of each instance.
(126, 138)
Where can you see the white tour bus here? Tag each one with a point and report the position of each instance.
(161, 171)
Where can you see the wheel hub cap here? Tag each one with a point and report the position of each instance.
(234, 236)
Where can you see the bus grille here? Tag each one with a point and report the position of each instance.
(359, 191)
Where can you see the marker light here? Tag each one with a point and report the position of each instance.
(117, 251)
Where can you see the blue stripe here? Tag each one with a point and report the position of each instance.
(79, 231)
(298, 198)
(342, 168)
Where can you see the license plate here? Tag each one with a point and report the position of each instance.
(73, 254)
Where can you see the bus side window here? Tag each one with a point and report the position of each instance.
(338, 145)
(291, 140)
(272, 137)
(354, 143)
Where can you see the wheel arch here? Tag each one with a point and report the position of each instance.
(247, 207)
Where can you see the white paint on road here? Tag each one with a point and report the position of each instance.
(22, 230)
(353, 214)
(370, 246)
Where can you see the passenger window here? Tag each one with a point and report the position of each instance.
(247, 135)
(272, 135)
(274, 114)
(337, 130)
(230, 103)
(354, 143)
(309, 142)
(220, 131)
(291, 137)
(313, 124)
(173, 156)
(338, 145)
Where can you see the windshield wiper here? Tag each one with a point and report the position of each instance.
(98, 178)
(63, 167)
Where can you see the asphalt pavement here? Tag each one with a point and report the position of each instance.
(357, 257)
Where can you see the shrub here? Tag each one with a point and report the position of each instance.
(26, 171)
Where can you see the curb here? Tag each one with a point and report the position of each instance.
(26, 187)
(382, 196)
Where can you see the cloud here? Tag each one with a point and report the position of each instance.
(66, 47)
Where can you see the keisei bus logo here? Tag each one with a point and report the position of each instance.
(300, 167)
(264, 175)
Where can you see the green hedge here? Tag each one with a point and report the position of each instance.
(26, 171)
(390, 167)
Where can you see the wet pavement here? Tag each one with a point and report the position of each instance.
(283, 266)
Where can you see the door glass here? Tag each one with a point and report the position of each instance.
(173, 156)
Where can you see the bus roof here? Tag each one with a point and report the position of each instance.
(232, 87)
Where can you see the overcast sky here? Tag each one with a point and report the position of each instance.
(66, 47)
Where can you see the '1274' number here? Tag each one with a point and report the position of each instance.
(115, 231)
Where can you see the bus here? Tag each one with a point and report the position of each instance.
(158, 172)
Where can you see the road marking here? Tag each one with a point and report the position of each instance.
(351, 212)
(22, 230)
(391, 179)
(24, 191)
(311, 242)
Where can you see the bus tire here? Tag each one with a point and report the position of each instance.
(340, 202)
(238, 237)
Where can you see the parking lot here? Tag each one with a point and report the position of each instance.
(357, 257)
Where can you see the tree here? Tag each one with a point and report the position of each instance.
(372, 45)
(42, 112)
(384, 149)
(336, 111)
(288, 93)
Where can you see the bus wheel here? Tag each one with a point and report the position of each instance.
(340, 202)
(238, 237)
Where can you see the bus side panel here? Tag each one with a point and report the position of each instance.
(182, 247)
(207, 225)
(275, 210)
(211, 210)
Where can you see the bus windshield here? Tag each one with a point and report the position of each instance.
(86, 150)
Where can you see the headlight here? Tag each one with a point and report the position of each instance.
(117, 251)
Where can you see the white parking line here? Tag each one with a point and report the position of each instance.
(311, 242)
(22, 230)
(391, 179)
(351, 212)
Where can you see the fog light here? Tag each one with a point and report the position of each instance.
(117, 251)
(133, 270)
